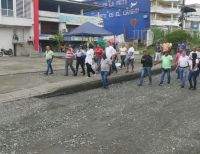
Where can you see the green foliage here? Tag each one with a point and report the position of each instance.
(159, 34)
(58, 38)
(177, 36)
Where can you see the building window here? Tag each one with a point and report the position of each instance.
(7, 8)
(23, 8)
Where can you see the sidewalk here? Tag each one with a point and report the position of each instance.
(24, 78)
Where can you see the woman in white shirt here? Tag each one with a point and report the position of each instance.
(130, 58)
(193, 64)
(123, 52)
(89, 60)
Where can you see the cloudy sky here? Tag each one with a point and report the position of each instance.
(192, 1)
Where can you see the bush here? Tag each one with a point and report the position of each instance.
(177, 36)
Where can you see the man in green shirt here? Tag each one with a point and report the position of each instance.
(49, 55)
(166, 61)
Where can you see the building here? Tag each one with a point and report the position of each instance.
(165, 13)
(193, 19)
(24, 23)
(16, 22)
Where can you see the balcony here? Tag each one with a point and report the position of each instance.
(166, 22)
(165, 10)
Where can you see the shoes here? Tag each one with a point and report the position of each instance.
(194, 89)
(139, 84)
(182, 87)
(45, 73)
(51, 73)
(190, 88)
(150, 83)
(160, 84)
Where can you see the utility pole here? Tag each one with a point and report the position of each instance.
(182, 15)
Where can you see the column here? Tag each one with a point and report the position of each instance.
(36, 25)
(58, 8)
(0, 10)
(14, 8)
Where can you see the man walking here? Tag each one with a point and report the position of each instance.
(49, 55)
(158, 51)
(147, 62)
(166, 61)
(69, 60)
(80, 59)
(182, 67)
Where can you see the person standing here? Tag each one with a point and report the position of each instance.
(69, 60)
(178, 55)
(158, 51)
(147, 62)
(193, 65)
(105, 68)
(98, 52)
(89, 60)
(166, 61)
(80, 59)
(123, 52)
(49, 55)
(130, 58)
(182, 66)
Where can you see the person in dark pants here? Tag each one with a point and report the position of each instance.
(49, 55)
(80, 59)
(69, 61)
(89, 60)
(193, 64)
(147, 62)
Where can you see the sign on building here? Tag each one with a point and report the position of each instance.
(128, 17)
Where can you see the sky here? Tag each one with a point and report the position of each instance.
(192, 1)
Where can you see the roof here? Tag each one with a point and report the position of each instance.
(67, 6)
(89, 29)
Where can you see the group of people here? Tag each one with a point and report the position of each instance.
(98, 60)
(185, 65)
(102, 61)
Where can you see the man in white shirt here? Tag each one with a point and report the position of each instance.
(110, 51)
(183, 64)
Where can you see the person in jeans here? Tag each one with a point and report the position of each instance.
(80, 59)
(69, 60)
(49, 55)
(89, 60)
(130, 58)
(123, 52)
(105, 68)
(158, 51)
(166, 61)
(182, 66)
(193, 65)
(98, 52)
(178, 55)
(147, 62)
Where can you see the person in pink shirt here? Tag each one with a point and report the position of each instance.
(69, 60)
(178, 55)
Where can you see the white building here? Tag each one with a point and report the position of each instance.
(193, 19)
(165, 13)
(16, 21)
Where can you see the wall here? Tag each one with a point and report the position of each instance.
(6, 35)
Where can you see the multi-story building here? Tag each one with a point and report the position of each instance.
(165, 13)
(193, 19)
(16, 22)
(36, 20)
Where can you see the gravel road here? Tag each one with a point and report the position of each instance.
(126, 119)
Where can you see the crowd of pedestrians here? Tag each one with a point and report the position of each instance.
(98, 60)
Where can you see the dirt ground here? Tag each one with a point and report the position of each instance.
(126, 119)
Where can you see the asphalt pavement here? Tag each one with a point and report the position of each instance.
(125, 119)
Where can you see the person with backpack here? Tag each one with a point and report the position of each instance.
(193, 65)
(147, 62)
(69, 60)
(49, 55)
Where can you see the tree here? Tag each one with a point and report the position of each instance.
(58, 38)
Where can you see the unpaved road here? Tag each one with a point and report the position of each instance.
(125, 119)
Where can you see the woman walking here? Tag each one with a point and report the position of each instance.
(123, 52)
(89, 60)
(193, 64)
(130, 58)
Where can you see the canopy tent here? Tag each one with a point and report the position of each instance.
(88, 29)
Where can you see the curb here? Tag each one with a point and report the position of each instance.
(93, 84)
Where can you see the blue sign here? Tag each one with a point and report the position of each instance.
(126, 17)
